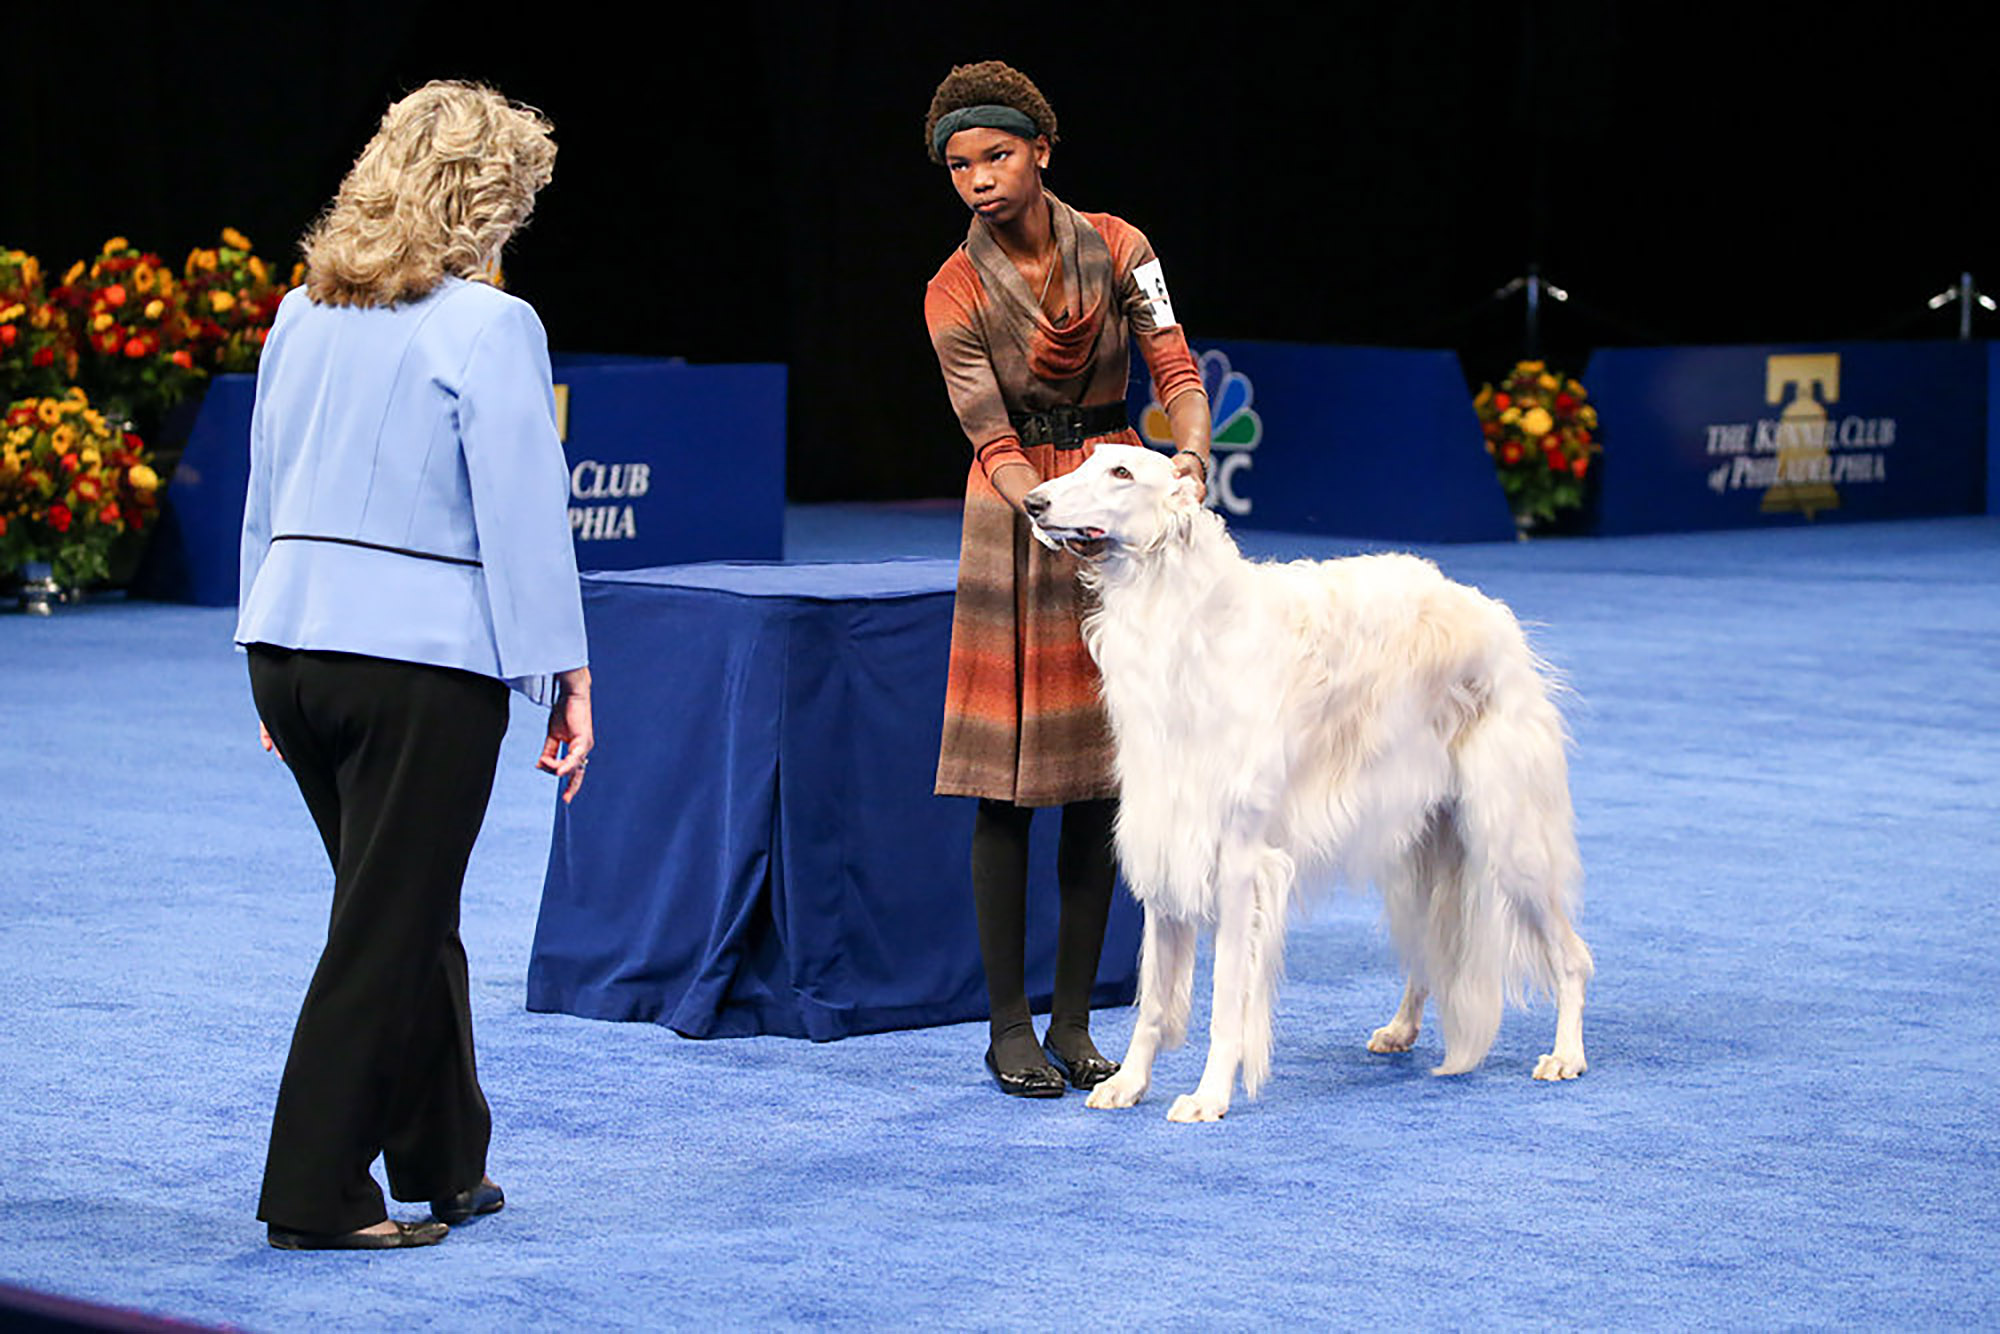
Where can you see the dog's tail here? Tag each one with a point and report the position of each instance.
(1500, 935)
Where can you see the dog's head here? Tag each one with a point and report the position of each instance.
(1124, 497)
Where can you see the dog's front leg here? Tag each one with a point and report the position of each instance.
(1210, 1099)
(1400, 1033)
(1166, 986)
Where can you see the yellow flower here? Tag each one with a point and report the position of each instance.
(1549, 382)
(116, 244)
(220, 301)
(1531, 367)
(203, 259)
(232, 237)
(1587, 415)
(31, 270)
(1536, 421)
(76, 392)
(1575, 389)
(20, 436)
(63, 438)
(142, 477)
(1484, 396)
(95, 419)
(69, 407)
(257, 269)
(1510, 416)
(155, 308)
(48, 411)
(40, 319)
(75, 272)
(91, 458)
(142, 277)
(102, 322)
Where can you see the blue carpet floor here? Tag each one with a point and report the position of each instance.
(1785, 776)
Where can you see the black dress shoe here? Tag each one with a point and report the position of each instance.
(405, 1235)
(484, 1198)
(1085, 1072)
(1034, 1081)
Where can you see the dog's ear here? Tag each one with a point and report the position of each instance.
(1185, 498)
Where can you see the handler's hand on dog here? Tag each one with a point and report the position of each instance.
(569, 725)
(1190, 468)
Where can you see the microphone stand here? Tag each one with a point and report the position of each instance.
(1967, 296)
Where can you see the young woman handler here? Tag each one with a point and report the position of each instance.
(1032, 318)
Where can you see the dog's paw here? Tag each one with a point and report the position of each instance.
(1392, 1037)
(1192, 1107)
(1561, 1065)
(1121, 1090)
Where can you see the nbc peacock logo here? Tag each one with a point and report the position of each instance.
(1234, 430)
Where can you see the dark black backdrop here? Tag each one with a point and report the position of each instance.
(747, 181)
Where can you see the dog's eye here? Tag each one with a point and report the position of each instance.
(1122, 471)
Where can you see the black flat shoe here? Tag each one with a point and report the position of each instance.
(1085, 1072)
(1035, 1081)
(405, 1236)
(484, 1198)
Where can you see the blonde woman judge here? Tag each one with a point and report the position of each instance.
(406, 560)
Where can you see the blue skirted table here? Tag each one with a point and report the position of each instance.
(758, 849)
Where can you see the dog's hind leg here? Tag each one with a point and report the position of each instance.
(1570, 961)
(1166, 991)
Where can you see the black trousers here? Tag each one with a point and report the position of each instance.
(395, 761)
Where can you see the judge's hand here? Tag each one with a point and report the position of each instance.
(569, 726)
(264, 739)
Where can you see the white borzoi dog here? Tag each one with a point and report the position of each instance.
(1359, 721)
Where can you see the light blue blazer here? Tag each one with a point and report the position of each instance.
(408, 494)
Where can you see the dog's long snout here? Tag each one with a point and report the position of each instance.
(1035, 503)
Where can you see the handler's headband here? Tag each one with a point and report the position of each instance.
(987, 117)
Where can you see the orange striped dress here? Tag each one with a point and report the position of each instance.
(1023, 720)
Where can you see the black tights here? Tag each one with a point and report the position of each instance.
(1085, 873)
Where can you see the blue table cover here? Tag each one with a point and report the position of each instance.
(758, 849)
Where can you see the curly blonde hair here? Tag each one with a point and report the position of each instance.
(449, 176)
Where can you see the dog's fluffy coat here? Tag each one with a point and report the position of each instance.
(1364, 721)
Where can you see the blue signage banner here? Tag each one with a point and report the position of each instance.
(1733, 437)
(1365, 442)
(671, 463)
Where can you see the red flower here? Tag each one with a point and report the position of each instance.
(45, 356)
(86, 488)
(110, 514)
(1555, 460)
(1491, 430)
(132, 440)
(135, 348)
(1583, 437)
(3, 525)
(1501, 402)
(71, 463)
(1580, 465)
(1510, 452)
(20, 416)
(59, 517)
(182, 359)
(114, 295)
(8, 333)
(1564, 402)
(108, 343)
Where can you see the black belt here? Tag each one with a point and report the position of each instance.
(376, 546)
(1067, 427)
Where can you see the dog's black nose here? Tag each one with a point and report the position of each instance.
(1034, 504)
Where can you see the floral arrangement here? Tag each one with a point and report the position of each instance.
(232, 298)
(37, 355)
(131, 324)
(72, 483)
(1540, 428)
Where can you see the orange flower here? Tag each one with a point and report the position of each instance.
(114, 295)
(183, 359)
(135, 348)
